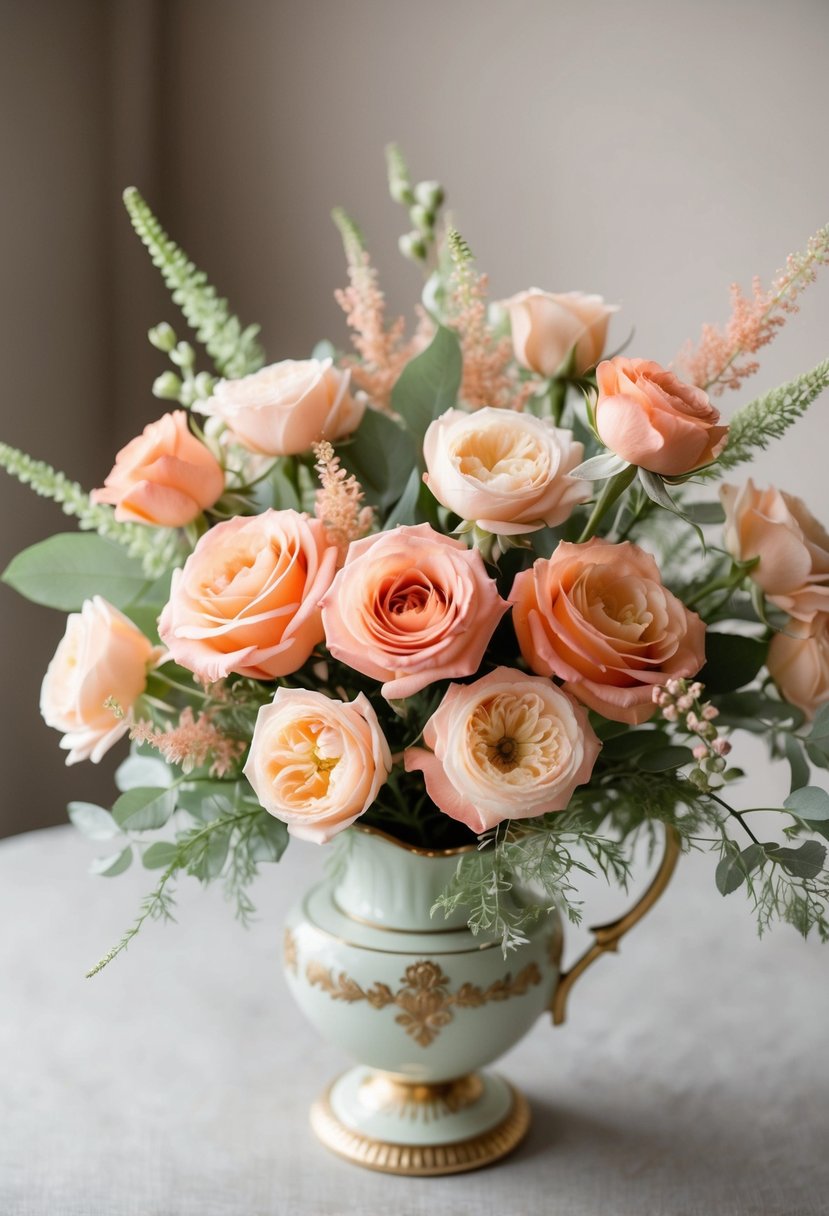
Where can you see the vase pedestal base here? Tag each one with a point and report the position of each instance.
(399, 1126)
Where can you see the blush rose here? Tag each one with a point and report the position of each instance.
(547, 326)
(247, 598)
(598, 617)
(798, 662)
(507, 746)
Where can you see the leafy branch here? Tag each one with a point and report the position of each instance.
(770, 416)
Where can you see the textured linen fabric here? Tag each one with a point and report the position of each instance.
(692, 1076)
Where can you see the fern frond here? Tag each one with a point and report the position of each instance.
(158, 548)
(458, 247)
(235, 351)
(768, 417)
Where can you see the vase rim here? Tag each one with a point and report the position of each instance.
(411, 848)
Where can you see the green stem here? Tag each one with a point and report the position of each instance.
(557, 397)
(613, 488)
(738, 815)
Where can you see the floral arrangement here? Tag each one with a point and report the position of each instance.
(468, 582)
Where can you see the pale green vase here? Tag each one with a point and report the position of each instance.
(423, 1005)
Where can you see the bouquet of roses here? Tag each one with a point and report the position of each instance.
(464, 584)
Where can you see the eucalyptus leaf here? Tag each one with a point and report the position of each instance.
(211, 861)
(665, 758)
(731, 661)
(598, 468)
(429, 384)
(142, 770)
(110, 867)
(704, 512)
(804, 862)
(268, 839)
(143, 808)
(405, 511)
(159, 855)
(798, 764)
(67, 569)
(207, 800)
(93, 821)
(810, 803)
(729, 874)
(381, 455)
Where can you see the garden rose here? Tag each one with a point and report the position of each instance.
(409, 607)
(102, 658)
(598, 617)
(283, 409)
(317, 763)
(165, 476)
(506, 471)
(647, 416)
(508, 746)
(546, 326)
(798, 662)
(793, 547)
(247, 598)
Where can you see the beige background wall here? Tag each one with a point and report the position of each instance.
(651, 151)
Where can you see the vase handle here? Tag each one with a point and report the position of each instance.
(607, 937)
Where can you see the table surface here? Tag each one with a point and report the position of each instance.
(692, 1077)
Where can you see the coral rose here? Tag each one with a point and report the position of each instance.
(100, 663)
(247, 598)
(598, 617)
(283, 409)
(647, 416)
(547, 326)
(506, 471)
(798, 662)
(317, 763)
(165, 476)
(409, 607)
(508, 746)
(792, 546)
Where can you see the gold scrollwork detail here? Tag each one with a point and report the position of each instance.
(425, 1001)
(289, 952)
(419, 1102)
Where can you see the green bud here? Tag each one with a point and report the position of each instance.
(422, 218)
(188, 393)
(429, 195)
(183, 355)
(203, 385)
(162, 337)
(401, 191)
(167, 386)
(412, 246)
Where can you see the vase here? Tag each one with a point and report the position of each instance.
(424, 1005)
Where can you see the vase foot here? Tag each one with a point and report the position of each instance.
(397, 1126)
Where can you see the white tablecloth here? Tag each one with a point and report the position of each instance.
(692, 1077)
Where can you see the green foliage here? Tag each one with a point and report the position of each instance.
(66, 569)
(770, 416)
(731, 661)
(235, 351)
(380, 454)
(352, 238)
(429, 384)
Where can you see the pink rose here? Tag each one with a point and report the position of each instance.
(793, 547)
(410, 607)
(598, 617)
(317, 763)
(247, 598)
(798, 662)
(283, 409)
(506, 471)
(509, 746)
(546, 326)
(650, 418)
(165, 476)
(101, 658)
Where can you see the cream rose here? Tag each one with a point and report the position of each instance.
(506, 471)
(102, 658)
(792, 546)
(317, 763)
(283, 409)
(547, 326)
(798, 662)
(165, 476)
(598, 617)
(508, 746)
(409, 607)
(247, 598)
(650, 418)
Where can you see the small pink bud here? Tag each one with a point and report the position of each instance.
(675, 687)
(670, 713)
(656, 694)
(710, 712)
(692, 721)
(695, 689)
(721, 746)
(700, 751)
(685, 702)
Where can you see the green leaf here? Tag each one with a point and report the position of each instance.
(109, 867)
(736, 867)
(810, 803)
(268, 839)
(598, 468)
(210, 862)
(731, 661)
(664, 758)
(143, 809)
(142, 770)
(429, 384)
(93, 821)
(634, 743)
(159, 855)
(769, 416)
(804, 862)
(817, 740)
(405, 512)
(381, 455)
(277, 491)
(207, 800)
(798, 763)
(67, 569)
(704, 512)
(654, 487)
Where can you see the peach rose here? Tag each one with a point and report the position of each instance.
(509, 746)
(247, 598)
(598, 617)
(793, 547)
(101, 658)
(283, 409)
(506, 471)
(546, 326)
(798, 662)
(317, 763)
(409, 607)
(165, 476)
(650, 418)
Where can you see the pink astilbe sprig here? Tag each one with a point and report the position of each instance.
(191, 743)
(489, 376)
(383, 350)
(339, 503)
(722, 358)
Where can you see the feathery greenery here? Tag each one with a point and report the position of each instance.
(235, 351)
(769, 416)
(353, 240)
(458, 247)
